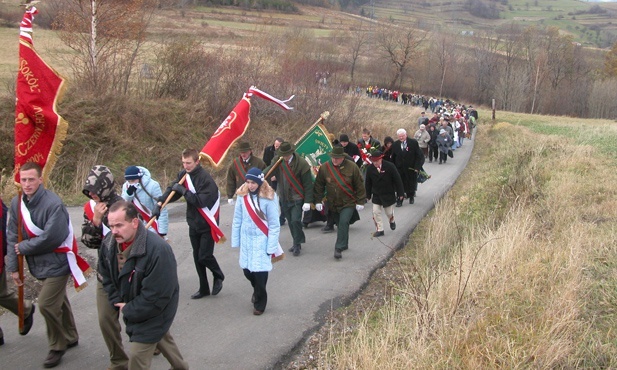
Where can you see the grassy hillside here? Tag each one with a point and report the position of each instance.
(513, 269)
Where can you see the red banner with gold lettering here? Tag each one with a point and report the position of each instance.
(39, 129)
(235, 125)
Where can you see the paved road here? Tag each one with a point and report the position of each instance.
(221, 332)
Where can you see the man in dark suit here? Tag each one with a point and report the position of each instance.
(408, 159)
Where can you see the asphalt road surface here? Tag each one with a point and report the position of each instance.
(221, 332)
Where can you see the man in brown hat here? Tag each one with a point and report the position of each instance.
(384, 186)
(236, 174)
(295, 191)
(341, 179)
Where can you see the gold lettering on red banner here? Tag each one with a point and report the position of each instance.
(28, 75)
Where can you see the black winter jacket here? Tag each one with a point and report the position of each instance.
(207, 194)
(147, 283)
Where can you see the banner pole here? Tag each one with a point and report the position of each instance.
(171, 195)
(20, 265)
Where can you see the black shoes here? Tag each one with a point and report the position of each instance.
(327, 229)
(337, 254)
(392, 225)
(257, 312)
(217, 286)
(53, 359)
(399, 203)
(378, 233)
(28, 321)
(411, 200)
(198, 295)
(295, 249)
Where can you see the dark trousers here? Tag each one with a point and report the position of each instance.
(342, 219)
(443, 157)
(203, 256)
(410, 181)
(293, 213)
(433, 153)
(258, 281)
(274, 184)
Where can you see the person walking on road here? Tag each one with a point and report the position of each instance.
(140, 277)
(295, 190)
(408, 159)
(99, 187)
(384, 187)
(143, 191)
(444, 142)
(202, 202)
(341, 179)
(237, 170)
(423, 138)
(255, 230)
(46, 228)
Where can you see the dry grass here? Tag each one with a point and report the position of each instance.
(515, 268)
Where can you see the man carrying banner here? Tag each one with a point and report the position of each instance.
(295, 189)
(144, 192)
(236, 174)
(341, 179)
(202, 215)
(99, 187)
(45, 230)
(8, 298)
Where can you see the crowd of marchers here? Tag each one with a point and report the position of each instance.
(136, 269)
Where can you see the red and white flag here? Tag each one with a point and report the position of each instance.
(39, 130)
(235, 125)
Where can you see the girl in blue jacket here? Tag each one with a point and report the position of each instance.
(255, 230)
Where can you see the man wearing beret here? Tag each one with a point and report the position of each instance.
(341, 179)
(295, 191)
(236, 174)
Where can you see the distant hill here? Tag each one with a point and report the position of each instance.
(592, 24)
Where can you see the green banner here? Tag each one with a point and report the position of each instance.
(315, 146)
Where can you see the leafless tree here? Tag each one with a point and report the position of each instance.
(511, 52)
(107, 36)
(400, 47)
(355, 42)
(485, 69)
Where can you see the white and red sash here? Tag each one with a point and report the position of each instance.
(79, 267)
(209, 214)
(261, 225)
(89, 211)
(146, 215)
